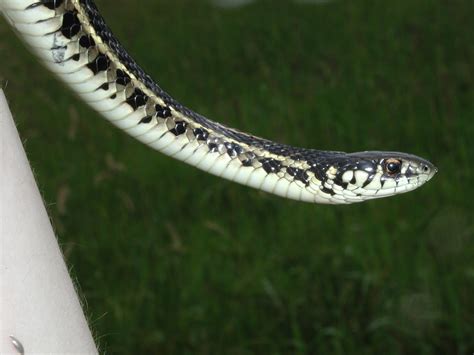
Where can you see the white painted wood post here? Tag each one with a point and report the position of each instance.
(39, 306)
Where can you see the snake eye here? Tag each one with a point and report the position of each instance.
(393, 166)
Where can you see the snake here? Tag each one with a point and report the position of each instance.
(72, 39)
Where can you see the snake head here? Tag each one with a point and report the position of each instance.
(370, 175)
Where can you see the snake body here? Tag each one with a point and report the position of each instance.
(74, 42)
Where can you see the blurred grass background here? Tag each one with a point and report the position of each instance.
(170, 260)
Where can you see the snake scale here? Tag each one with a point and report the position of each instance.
(74, 42)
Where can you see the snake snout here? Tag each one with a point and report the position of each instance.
(429, 169)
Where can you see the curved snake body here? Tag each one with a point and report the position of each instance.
(74, 42)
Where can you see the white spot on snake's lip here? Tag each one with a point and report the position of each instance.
(403, 180)
(375, 183)
(361, 177)
(347, 176)
(389, 184)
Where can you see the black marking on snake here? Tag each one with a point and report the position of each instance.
(368, 181)
(247, 162)
(247, 158)
(201, 134)
(86, 41)
(338, 178)
(105, 86)
(113, 96)
(179, 128)
(319, 171)
(122, 77)
(71, 24)
(76, 57)
(368, 166)
(353, 180)
(137, 99)
(233, 149)
(163, 112)
(298, 174)
(146, 119)
(303, 177)
(292, 171)
(270, 165)
(326, 190)
(212, 147)
(100, 63)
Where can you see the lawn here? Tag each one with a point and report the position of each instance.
(171, 260)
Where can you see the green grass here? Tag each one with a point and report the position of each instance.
(170, 260)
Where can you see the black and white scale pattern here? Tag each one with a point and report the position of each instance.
(74, 41)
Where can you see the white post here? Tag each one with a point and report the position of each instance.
(39, 307)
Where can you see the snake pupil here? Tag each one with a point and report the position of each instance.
(393, 166)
